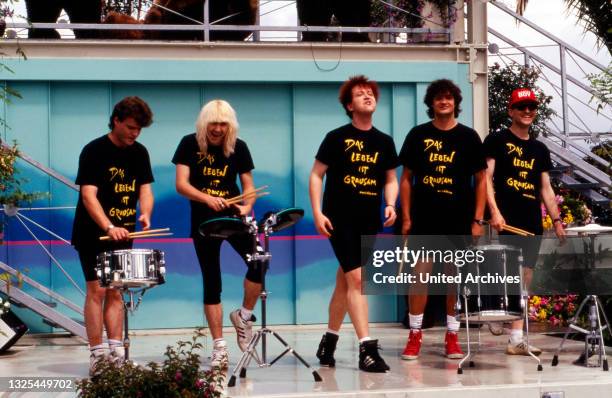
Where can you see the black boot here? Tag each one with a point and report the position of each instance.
(369, 359)
(327, 346)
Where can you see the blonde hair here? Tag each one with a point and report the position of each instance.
(217, 111)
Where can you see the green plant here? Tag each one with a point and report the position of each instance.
(11, 192)
(502, 80)
(602, 88)
(178, 376)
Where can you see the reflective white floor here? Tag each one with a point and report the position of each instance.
(432, 375)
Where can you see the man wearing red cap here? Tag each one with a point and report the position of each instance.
(518, 181)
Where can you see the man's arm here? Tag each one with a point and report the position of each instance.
(246, 180)
(184, 188)
(548, 197)
(405, 192)
(480, 186)
(96, 212)
(391, 190)
(322, 223)
(497, 220)
(145, 198)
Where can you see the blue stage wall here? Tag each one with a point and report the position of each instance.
(284, 109)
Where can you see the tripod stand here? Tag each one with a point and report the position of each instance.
(262, 258)
(593, 337)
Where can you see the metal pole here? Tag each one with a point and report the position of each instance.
(257, 34)
(206, 21)
(564, 94)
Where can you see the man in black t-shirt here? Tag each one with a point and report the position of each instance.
(518, 182)
(438, 197)
(114, 175)
(208, 163)
(359, 164)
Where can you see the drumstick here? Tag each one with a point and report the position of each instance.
(247, 196)
(241, 196)
(517, 231)
(150, 231)
(143, 234)
(151, 235)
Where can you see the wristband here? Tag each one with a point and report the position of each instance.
(479, 222)
(556, 219)
(110, 226)
(394, 208)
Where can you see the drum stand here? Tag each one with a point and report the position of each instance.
(592, 336)
(129, 306)
(263, 259)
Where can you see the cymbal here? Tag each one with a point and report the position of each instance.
(592, 228)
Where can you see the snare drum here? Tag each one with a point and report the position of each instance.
(131, 268)
(497, 301)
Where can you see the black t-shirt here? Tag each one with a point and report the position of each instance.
(118, 174)
(212, 173)
(443, 164)
(517, 178)
(357, 162)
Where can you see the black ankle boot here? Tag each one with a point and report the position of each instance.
(369, 359)
(327, 346)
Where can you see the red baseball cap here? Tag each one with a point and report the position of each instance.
(522, 95)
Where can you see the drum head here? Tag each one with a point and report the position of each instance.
(223, 227)
(284, 219)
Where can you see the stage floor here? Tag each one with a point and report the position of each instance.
(432, 375)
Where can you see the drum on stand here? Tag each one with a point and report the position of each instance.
(131, 268)
(497, 301)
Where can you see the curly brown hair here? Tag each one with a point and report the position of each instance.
(345, 94)
(442, 86)
(133, 107)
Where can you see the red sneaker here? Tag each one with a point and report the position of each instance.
(413, 345)
(453, 349)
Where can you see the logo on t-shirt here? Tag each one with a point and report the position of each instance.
(522, 167)
(439, 161)
(362, 161)
(126, 190)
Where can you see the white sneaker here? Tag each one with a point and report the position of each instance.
(117, 355)
(95, 358)
(219, 357)
(521, 349)
(244, 329)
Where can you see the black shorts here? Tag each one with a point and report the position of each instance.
(88, 255)
(347, 245)
(529, 245)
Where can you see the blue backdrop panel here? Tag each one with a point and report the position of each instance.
(282, 119)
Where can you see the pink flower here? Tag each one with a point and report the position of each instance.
(199, 384)
(543, 209)
(554, 320)
(178, 376)
(558, 307)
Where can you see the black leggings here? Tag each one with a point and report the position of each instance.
(209, 251)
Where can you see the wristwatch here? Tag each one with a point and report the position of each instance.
(480, 222)
(556, 219)
(110, 226)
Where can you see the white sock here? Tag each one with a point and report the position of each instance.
(99, 347)
(416, 321)
(367, 338)
(336, 332)
(452, 324)
(245, 314)
(516, 336)
(219, 343)
(114, 343)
